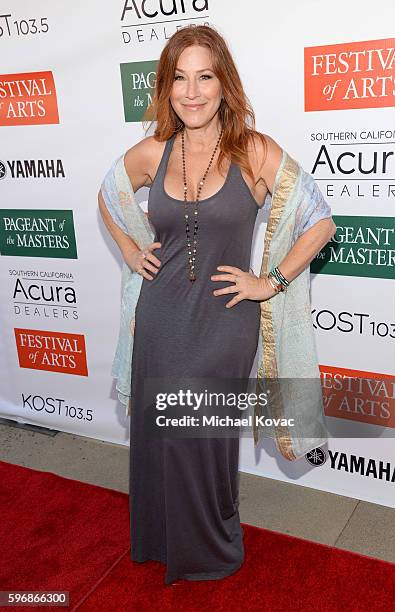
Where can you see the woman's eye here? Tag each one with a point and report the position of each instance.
(205, 76)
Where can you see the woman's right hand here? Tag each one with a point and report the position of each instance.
(142, 260)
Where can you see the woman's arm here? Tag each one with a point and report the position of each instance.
(306, 248)
(247, 286)
(312, 240)
(138, 164)
(124, 242)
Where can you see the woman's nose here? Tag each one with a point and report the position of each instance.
(192, 88)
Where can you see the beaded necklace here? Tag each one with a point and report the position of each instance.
(192, 246)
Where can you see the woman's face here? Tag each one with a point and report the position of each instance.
(196, 92)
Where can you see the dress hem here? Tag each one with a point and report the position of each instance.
(207, 575)
(192, 577)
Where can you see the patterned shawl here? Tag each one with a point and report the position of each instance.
(286, 349)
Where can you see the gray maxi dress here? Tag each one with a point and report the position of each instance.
(184, 493)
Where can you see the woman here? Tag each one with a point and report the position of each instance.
(198, 310)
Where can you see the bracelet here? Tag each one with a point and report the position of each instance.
(278, 287)
(279, 278)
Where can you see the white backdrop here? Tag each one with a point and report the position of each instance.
(75, 296)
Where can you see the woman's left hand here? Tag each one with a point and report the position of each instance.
(247, 285)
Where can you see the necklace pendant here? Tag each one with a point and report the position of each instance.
(192, 276)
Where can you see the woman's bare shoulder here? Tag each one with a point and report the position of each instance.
(142, 160)
(265, 157)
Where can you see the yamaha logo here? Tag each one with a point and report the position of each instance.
(316, 457)
(3, 170)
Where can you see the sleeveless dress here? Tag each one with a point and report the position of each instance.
(184, 492)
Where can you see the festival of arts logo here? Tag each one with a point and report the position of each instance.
(28, 98)
(361, 246)
(138, 82)
(37, 233)
(52, 351)
(356, 395)
(350, 75)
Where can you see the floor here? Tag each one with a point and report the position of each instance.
(331, 519)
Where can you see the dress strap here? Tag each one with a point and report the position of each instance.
(165, 156)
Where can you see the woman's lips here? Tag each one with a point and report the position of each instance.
(193, 106)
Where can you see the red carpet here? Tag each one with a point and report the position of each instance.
(60, 534)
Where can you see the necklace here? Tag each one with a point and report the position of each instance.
(192, 246)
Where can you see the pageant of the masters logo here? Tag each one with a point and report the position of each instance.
(138, 82)
(361, 246)
(37, 233)
(350, 75)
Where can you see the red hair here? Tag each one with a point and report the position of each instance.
(235, 112)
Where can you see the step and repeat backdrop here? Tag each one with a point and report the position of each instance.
(75, 81)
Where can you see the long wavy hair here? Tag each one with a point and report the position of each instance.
(235, 112)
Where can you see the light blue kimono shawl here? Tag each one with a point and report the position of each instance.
(286, 349)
